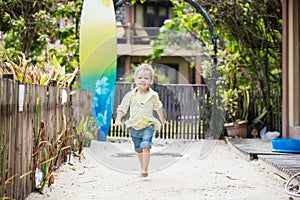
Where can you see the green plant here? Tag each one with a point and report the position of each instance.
(90, 131)
(41, 29)
(236, 98)
(86, 132)
(236, 104)
(47, 153)
(234, 90)
(38, 74)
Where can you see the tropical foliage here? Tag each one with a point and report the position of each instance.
(85, 133)
(42, 74)
(249, 29)
(253, 29)
(47, 153)
(40, 30)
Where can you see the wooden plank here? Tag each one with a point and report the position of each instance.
(6, 130)
(58, 110)
(171, 110)
(35, 122)
(11, 138)
(5, 136)
(21, 132)
(201, 121)
(178, 123)
(70, 125)
(30, 139)
(253, 147)
(2, 135)
(43, 108)
(206, 109)
(52, 109)
(25, 127)
(58, 114)
(16, 133)
(82, 104)
(66, 126)
(287, 163)
(196, 117)
(61, 120)
(47, 118)
(192, 109)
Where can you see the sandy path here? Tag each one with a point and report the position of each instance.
(222, 174)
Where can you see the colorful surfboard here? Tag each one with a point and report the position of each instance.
(98, 59)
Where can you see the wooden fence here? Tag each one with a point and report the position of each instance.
(24, 108)
(186, 109)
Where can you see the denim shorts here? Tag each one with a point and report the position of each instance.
(142, 138)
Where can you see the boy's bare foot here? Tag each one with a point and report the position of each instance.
(144, 174)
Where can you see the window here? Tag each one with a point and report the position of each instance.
(155, 15)
(168, 70)
(152, 13)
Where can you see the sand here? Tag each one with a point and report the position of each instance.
(197, 170)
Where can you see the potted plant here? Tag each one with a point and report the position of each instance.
(236, 105)
(236, 98)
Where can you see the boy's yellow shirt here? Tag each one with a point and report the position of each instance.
(141, 109)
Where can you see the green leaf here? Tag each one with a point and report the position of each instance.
(80, 126)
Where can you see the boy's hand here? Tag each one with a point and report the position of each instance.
(164, 122)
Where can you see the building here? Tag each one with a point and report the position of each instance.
(137, 27)
(291, 69)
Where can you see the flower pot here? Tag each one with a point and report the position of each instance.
(237, 129)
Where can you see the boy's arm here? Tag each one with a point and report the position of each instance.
(119, 117)
(160, 113)
(122, 109)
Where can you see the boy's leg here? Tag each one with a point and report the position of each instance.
(145, 159)
(140, 157)
(137, 142)
(146, 146)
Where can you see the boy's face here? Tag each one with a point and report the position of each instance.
(143, 80)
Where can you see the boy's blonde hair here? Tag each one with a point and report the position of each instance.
(144, 67)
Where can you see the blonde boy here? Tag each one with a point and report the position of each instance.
(141, 101)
